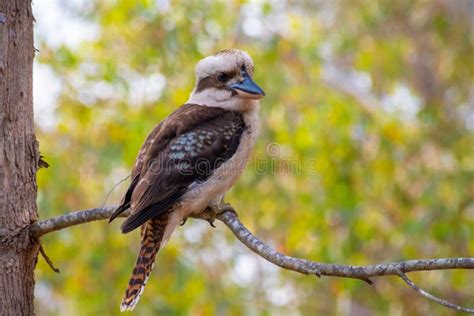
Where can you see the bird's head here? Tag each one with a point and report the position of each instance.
(225, 80)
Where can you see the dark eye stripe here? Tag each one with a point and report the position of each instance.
(214, 81)
(205, 83)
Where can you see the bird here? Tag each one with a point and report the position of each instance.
(191, 158)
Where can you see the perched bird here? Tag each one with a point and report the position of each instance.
(191, 158)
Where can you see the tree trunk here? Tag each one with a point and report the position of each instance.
(18, 159)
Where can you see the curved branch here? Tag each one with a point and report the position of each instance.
(230, 219)
(348, 271)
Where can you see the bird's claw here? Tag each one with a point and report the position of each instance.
(216, 210)
(183, 221)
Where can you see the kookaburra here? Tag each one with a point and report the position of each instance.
(191, 158)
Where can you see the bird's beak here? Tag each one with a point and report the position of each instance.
(247, 88)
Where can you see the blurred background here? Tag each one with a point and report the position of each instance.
(366, 152)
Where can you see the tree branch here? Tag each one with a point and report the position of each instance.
(41, 228)
(230, 219)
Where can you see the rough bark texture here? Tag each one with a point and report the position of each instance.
(18, 159)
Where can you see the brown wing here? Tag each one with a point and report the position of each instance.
(189, 146)
(184, 118)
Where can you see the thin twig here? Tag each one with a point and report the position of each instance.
(47, 259)
(230, 219)
(432, 297)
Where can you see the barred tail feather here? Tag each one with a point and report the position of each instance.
(152, 235)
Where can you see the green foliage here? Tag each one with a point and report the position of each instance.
(360, 175)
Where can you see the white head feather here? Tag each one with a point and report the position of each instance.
(225, 61)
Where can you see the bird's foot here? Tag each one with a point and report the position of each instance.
(216, 210)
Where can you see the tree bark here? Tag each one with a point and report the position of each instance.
(18, 159)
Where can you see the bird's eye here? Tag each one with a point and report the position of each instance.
(223, 77)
